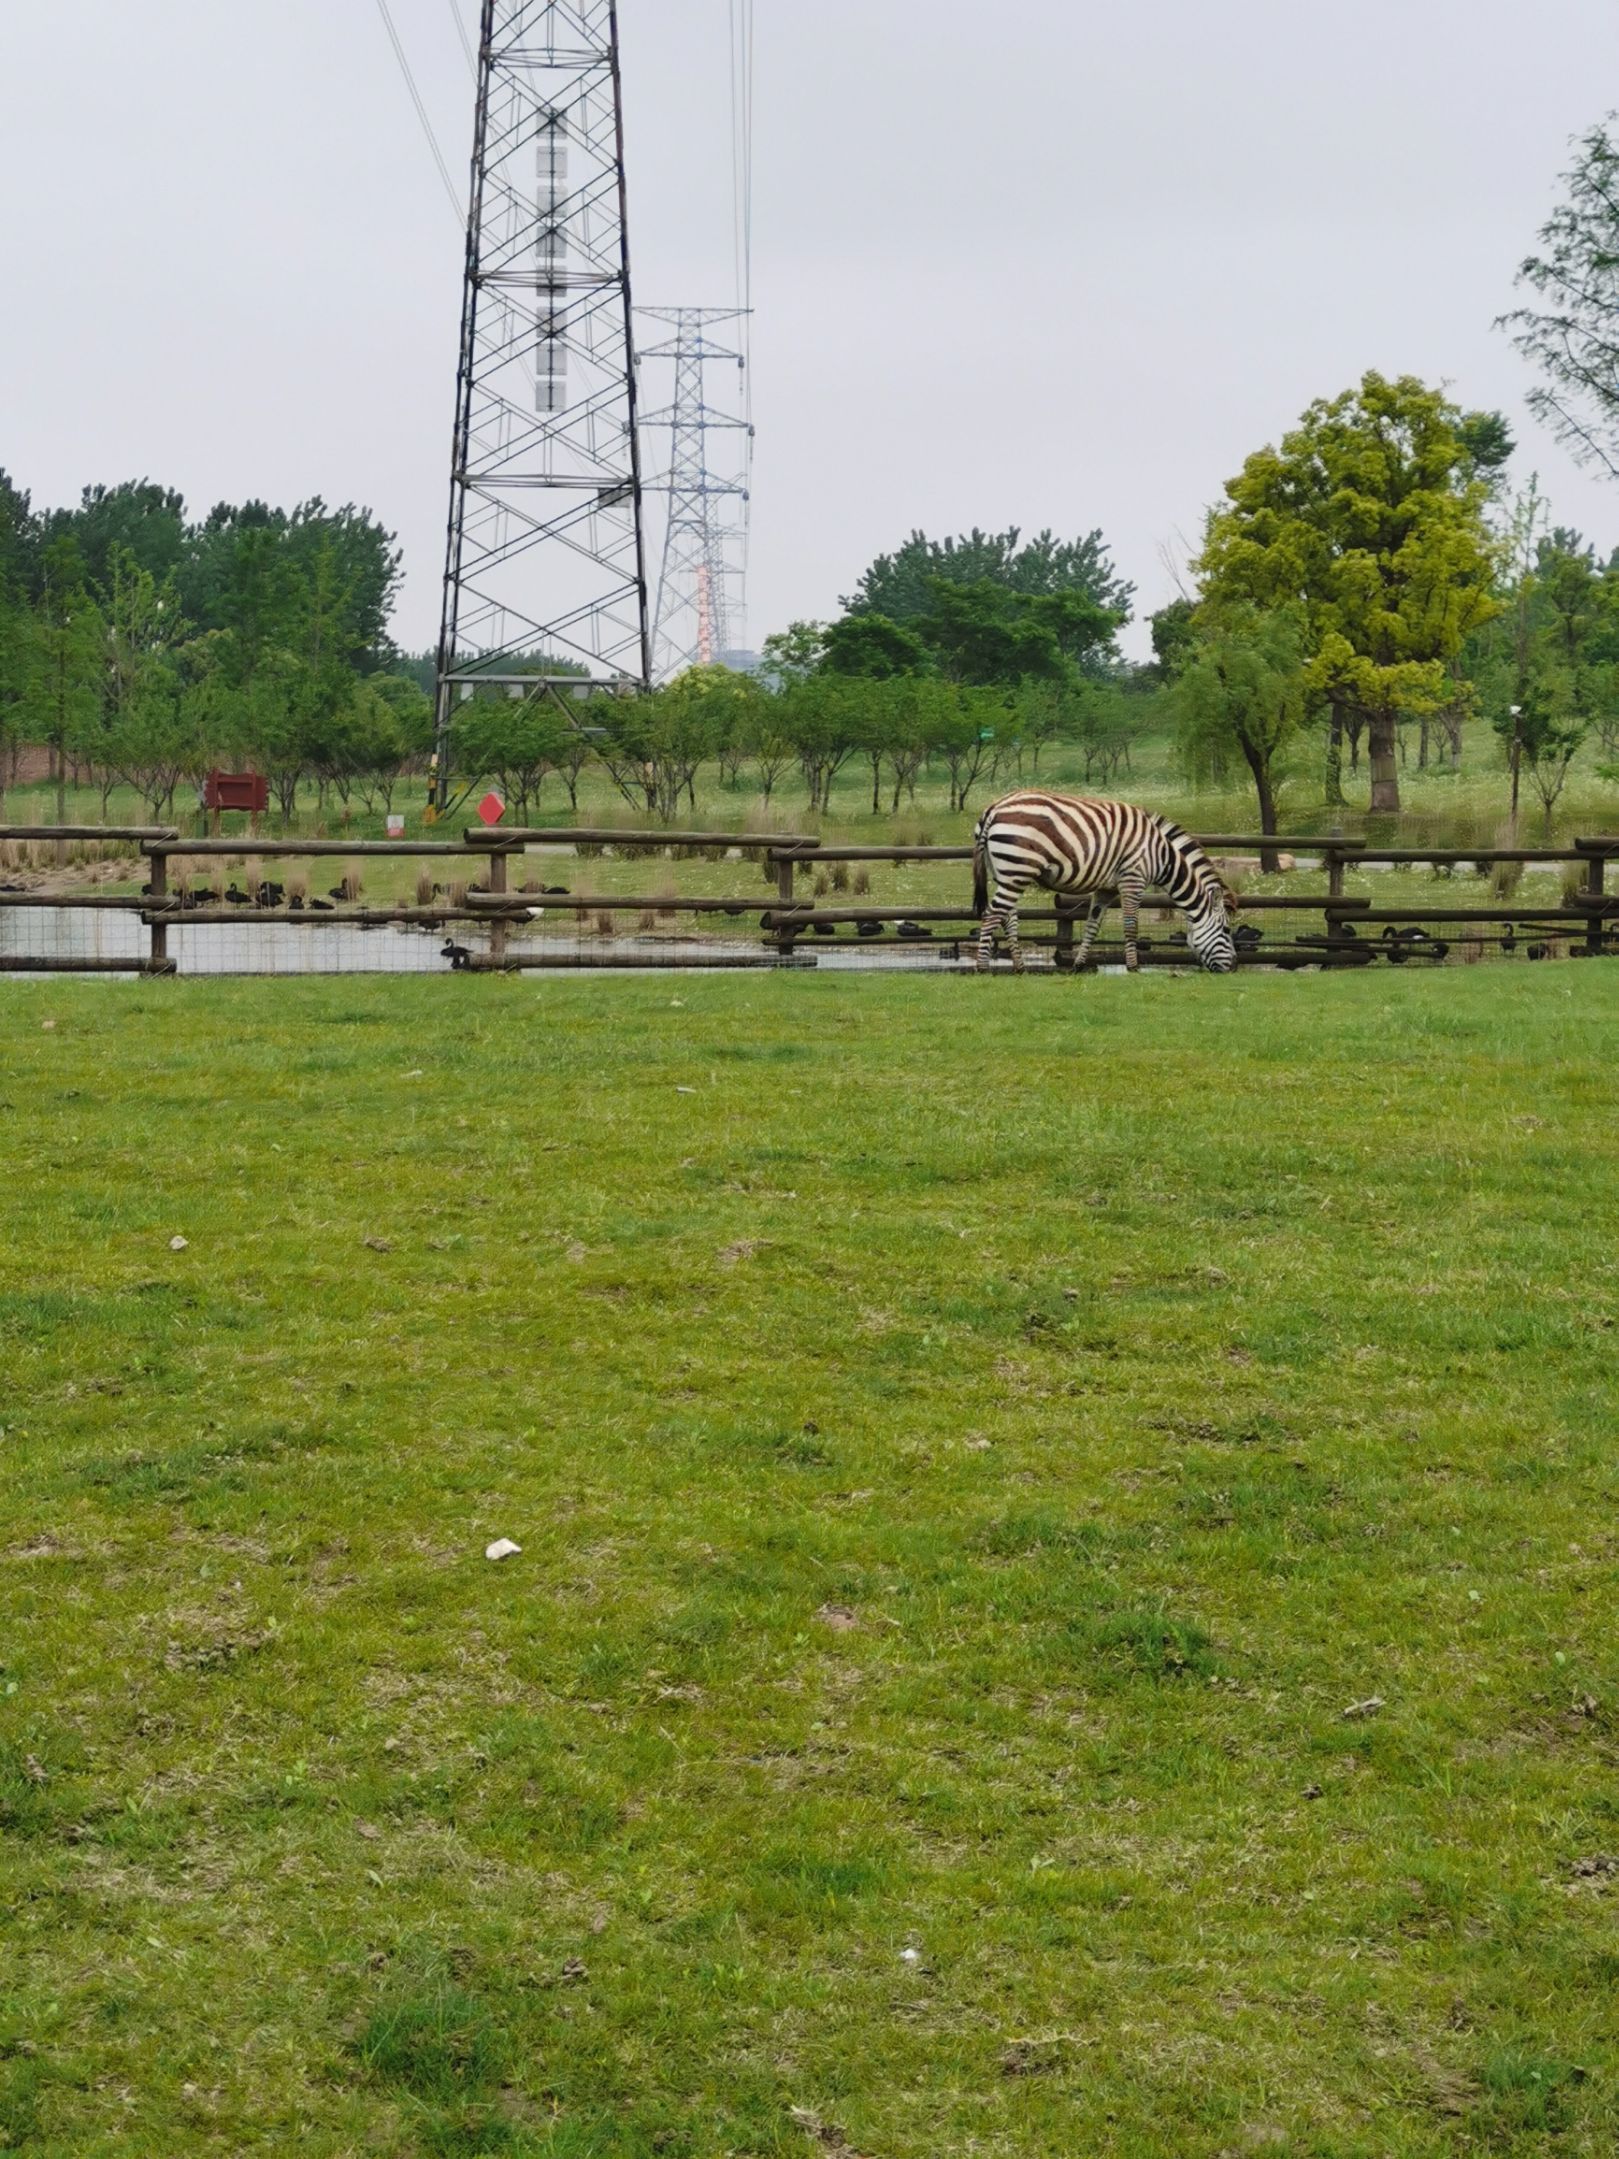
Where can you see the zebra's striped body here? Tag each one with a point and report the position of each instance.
(1090, 846)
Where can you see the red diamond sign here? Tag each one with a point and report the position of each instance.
(491, 809)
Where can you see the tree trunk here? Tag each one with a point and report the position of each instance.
(1259, 766)
(1380, 745)
(1422, 744)
(1335, 758)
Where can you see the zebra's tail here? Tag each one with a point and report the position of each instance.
(980, 873)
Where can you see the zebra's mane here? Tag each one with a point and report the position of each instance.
(1201, 877)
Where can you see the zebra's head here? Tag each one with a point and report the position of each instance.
(1208, 926)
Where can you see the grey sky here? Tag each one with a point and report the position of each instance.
(1038, 264)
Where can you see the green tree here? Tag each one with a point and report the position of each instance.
(1370, 520)
(137, 519)
(765, 739)
(1242, 691)
(656, 745)
(1174, 637)
(513, 741)
(981, 634)
(61, 702)
(792, 655)
(147, 737)
(900, 585)
(872, 646)
(1106, 719)
(16, 671)
(1570, 329)
(822, 717)
(19, 543)
(393, 729)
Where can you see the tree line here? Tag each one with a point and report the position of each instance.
(140, 646)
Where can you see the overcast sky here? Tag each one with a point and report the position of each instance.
(1048, 263)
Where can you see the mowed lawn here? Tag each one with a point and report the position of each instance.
(1066, 1592)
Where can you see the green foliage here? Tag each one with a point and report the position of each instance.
(1241, 692)
(982, 634)
(1570, 332)
(900, 585)
(19, 542)
(63, 656)
(655, 745)
(1173, 637)
(793, 654)
(873, 646)
(1369, 519)
(137, 520)
(513, 741)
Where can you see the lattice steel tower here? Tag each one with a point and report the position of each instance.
(545, 559)
(702, 576)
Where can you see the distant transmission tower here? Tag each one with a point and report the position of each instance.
(701, 584)
(545, 587)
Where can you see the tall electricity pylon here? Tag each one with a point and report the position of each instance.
(701, 583)
(545, 585)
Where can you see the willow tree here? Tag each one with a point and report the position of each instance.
(1368, 525)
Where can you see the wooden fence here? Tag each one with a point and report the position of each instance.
(1580, 919)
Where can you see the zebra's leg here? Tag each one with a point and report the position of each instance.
(1092, 925)
(1003, 914)
(1129, 904)
(986, 941)
(993, 920)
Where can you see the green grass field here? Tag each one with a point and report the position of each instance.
(971, 1444)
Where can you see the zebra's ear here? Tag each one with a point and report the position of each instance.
(1231, 898)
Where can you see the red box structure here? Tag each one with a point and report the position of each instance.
(248, 791)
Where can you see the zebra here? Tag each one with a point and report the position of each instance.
(1089, 846)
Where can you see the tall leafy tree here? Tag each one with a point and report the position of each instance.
(1569, 329)
(900, 585)
(873, 646)
(66, 660)
(1174, 636)
(1241, 692)
(1369, 519)
(514, 741)
(19, 543)
(982, 634)
(146, 737)
(137, 518)
(792, 655)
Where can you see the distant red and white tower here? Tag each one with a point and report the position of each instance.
(699, 610)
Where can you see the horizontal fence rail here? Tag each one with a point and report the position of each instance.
(785, 920)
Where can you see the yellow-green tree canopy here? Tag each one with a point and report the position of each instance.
(1368, 524)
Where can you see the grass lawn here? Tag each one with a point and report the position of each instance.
(971, 1443)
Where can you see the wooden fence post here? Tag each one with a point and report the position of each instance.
(158, 864)
(1063, 953)
(784, 894)
(497, 928)
(1595, 885)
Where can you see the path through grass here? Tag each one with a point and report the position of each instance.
(971, 1443)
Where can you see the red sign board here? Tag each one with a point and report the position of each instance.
(248, 791)
(491, 809)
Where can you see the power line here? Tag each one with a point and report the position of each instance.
(461, 33)
(456, 204)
